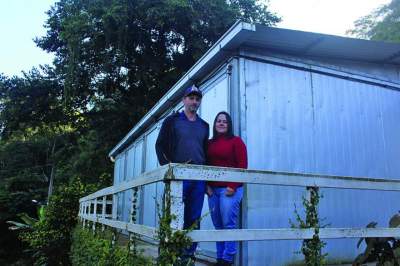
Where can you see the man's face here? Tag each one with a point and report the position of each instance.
(191, 103)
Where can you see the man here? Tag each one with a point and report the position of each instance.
(183, 139)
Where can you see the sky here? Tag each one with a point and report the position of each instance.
(322, 16)
(22, 20)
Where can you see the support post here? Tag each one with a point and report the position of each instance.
(94, 215)
(114, 207)
(103, 211)
(177, 207)
(84, 214)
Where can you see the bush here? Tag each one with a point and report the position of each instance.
(98, 249)
(50, 238)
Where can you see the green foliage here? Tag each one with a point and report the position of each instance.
(49, 238)
(383, 250)
(381, 24)
(28, 222)
(98, 250)
(311, 248)
(30, 103)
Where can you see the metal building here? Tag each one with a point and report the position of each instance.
(302, 102)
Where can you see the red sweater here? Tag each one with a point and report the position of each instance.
(227, 153)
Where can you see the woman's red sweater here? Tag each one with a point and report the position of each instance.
(227, 152)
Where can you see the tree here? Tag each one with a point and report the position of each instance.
(381, 24)
(128, 53)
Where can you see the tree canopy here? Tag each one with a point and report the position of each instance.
(381, 24)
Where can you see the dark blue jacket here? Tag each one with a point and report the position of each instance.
(166, 142)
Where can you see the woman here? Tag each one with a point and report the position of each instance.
(225, 149)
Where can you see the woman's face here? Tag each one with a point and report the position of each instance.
(221, 124)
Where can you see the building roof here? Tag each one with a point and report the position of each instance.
(274, 39)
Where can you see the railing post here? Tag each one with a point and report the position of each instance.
(84, 214)
(94, 215)
(177, 207)
(114, 206)
(103, 211)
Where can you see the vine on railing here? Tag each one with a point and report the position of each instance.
(171, 242)
(132, 245)
(311, 248)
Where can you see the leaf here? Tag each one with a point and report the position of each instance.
(17, 225)
(27, 219)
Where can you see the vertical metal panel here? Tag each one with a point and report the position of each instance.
(130, 162)
(279, 137)
(138, 168)
(137, 150)
(352, 137)
(299, 121)
(118, 178)
(116, 170)
(215, 99)
(150, 191)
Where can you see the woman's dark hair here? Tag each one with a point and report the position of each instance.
(229, 132)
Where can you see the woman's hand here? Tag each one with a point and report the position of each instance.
(229, 191)
(209, 191)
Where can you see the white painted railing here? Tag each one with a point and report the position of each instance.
(176, 173)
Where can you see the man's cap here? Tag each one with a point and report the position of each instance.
(193, 90)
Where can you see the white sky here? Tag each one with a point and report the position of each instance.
(322, 16)
(22, 20)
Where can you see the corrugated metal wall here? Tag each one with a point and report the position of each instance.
(298, 121)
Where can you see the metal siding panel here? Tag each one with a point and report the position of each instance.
(301, 122)
(130, 163)
(390, 110)
(137, 170)
(279, 137)
(121, 196)
(138, 158)
(150, 191)
(354, 118)
(116, 171)
(348, 128)
(215, 99)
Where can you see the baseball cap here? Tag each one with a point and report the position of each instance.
(193, 90)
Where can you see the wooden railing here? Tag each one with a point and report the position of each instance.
(176, 173)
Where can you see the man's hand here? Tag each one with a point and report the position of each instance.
(229, 191)
(209, 191)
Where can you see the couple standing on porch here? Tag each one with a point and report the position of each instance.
(184, 138)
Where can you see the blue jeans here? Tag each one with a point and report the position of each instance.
(193, 198)
(224, 213)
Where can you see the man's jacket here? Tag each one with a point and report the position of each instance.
(166, 141)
